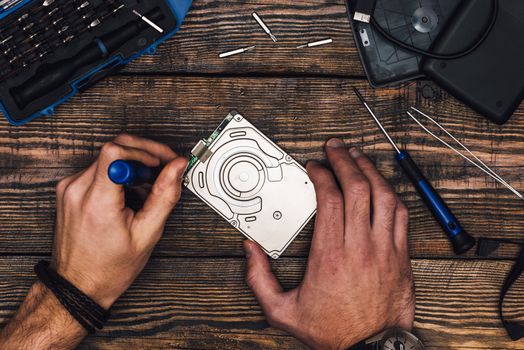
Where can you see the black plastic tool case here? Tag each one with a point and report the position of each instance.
(50, 52)
(491, 79)
(383, 61)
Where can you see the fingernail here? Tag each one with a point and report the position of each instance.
(336, 143)
(247, 249)
(355, 152)
(178, 168)
(171, 175)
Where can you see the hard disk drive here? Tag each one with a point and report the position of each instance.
(252, 183)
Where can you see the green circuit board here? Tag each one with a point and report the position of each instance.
(210, 140)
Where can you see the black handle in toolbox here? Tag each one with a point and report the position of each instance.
(51, 76)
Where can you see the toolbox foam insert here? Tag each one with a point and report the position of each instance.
(92, 55)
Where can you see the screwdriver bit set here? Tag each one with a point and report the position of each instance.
(52, 49)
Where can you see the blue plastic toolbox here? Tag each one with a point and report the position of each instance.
(53, 49)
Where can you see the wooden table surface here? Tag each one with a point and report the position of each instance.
(192, 294)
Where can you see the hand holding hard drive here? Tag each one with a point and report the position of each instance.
(358, 280)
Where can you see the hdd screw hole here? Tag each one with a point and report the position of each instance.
(277, 215)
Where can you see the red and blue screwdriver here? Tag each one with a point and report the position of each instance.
(460, 239)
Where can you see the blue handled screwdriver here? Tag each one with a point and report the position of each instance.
(460, 239)
(132, 173)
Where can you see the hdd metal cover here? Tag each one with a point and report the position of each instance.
(252, 183)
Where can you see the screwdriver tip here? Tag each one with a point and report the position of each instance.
(381, 127)
(359, 95)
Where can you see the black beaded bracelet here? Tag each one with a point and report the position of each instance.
(87, 312)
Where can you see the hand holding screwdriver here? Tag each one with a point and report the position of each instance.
(132, 173)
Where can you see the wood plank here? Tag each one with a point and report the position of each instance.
(205, 304)
(213, 27)
(198, 300)
(297, 113)
(28, 205)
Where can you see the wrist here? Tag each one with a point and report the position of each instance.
(101, 294)
(41, 322)
(55, 312)
(332, 341)
(84, 309)
(352, 343)
(361, 335)
(392, 338)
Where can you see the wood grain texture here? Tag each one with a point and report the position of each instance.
(213, 27)
(192, 294)
(28, 208)
(205, 304)
(297, 113)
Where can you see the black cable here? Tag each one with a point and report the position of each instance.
(382, 32)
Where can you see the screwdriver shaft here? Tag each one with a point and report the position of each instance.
(264, 26)
(148, 21)
(64, 33)
(7, 4)
(361, 98)
(316, 43)
(459, 238)
(236, 52)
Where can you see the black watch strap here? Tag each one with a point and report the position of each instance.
(485, 248)
(515, 330)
